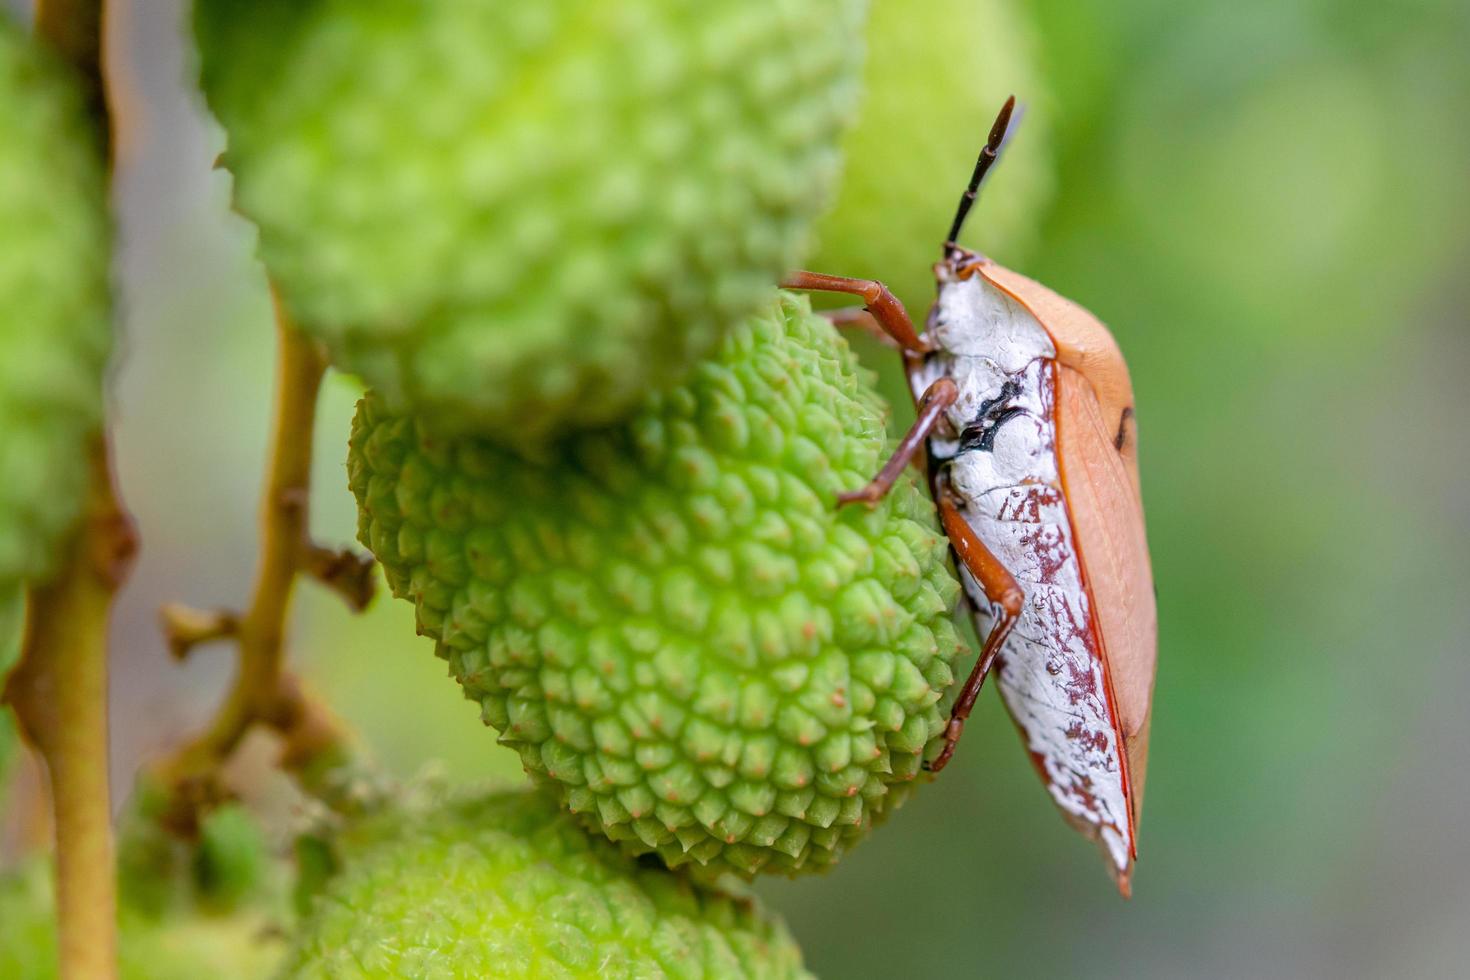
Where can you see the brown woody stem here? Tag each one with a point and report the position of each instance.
(74, 29)
(59, 691)
(264, 692)
(59, 688)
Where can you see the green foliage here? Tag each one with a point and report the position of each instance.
(937, 72)
(241, 946)
(230, 863)
(54, 333)
(504, 886)
(229, 866)
(686, 639)
(208, 910)
(522, 217)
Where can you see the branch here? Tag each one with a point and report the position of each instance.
(59, 691)
(59, 688)
(264, 692)
(74, 30)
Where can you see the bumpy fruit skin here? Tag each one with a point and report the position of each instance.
(54, 302)
(520, 217)
(504, 886)
(686, 639)
(936, 74)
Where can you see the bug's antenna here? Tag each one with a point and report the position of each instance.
(987, 157)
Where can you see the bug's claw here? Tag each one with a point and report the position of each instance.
(951, 739)
(869, 495)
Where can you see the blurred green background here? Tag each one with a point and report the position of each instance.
(1269, 202)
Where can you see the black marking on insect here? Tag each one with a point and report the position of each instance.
(1121, 439)
(982, 437)
(993, 412)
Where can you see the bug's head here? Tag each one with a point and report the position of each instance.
(987, 158)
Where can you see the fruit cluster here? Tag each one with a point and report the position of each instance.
(671, 620)
(600, 452)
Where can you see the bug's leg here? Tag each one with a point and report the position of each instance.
(859, 319)
(937, 399)
(877, 300)
(1001, 589)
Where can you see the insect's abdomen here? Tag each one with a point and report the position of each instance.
(1050, 669)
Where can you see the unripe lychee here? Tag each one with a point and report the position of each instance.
(936, 74)
(54, 328)
(521, 217)
(503, 886)
(671, 620)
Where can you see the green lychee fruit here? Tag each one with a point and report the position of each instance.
(54, 302)
(521, 217)
(503, 886)
(937, 73)
(685, 638)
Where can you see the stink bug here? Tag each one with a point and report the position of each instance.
(1025, 410)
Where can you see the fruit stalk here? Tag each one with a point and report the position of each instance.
(59, 692)
(59, 688)
(264, 691)
(73, 28)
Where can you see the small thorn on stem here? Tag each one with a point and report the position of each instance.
(185, 628)
(344, 571)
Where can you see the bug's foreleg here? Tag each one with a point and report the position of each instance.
(885, 307)
(937, 399)
(1001, 589)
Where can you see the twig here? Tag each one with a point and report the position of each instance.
(59, 691)
(264, 692)
(74, 29)
(59, 688)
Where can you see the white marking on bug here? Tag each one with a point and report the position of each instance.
(1049, 671)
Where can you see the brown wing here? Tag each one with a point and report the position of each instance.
(1098, 449)
(1107, 516)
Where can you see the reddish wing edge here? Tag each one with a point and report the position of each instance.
(1108, 522)
(1097, 451)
